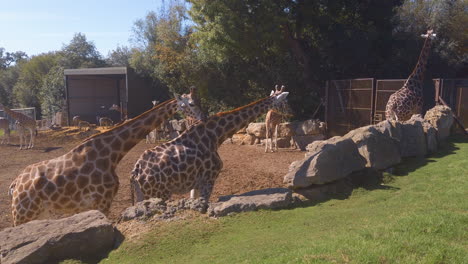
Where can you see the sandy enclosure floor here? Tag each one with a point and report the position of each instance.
(246, 168)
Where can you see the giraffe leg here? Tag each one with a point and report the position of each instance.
(31, 140)
(21, 133)
(266, 141)
(194, 193)
(276, 137)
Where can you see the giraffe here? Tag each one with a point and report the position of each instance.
(408, 100)
(85, 178)
(272, 120)
(105, 121)
(5, 125)
(191, 161)
(23, 123)
(76, 120)
(153, 135)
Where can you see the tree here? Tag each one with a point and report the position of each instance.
(448, 18)
(27, 89)
(119, 57)
(53, 92)
(80, 53)
(10, 58)
(299, 43)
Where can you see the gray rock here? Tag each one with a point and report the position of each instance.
(440, 117)
(84, 236)
(285, 130)
(303, 141)
(327, 161)
(309, 127)
(143, 209)
(272, 198)
(324, 191)
(379, 150)
(256, 129)
(430, 133)
(413, 140)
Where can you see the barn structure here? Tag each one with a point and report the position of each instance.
(91, 92)
(353, 103)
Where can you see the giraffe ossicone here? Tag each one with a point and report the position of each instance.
(84, 178)
(191, 161)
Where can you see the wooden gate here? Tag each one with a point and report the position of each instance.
(349, 105)
(383, 90)
(455, 93)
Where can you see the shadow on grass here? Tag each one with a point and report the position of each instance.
(371, 179)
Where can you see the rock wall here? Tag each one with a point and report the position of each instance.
(376, 147)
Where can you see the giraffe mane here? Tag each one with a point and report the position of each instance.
(133, 120)
(242, 107)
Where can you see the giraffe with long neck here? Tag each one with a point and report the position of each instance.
(191, 161)
(23, 123)
(409, 99)
(85, 177)
(273, 118)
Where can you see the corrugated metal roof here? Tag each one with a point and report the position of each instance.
(96, 71)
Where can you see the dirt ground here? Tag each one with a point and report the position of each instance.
(246, 168)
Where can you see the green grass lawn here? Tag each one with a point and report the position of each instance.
(419, 216)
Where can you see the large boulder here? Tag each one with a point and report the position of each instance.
(303, 141)
(413, 140)
(327, 161)
(256, 129)
(248, 139)
(430, 133)
(309, 127)
(86, 236)
(272, 198)
(285, 130)
(379, 150)
(318, 192)
(440, 117)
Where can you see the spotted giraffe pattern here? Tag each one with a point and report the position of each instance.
(191, 161)
(23, 123)
(272, 120)
(409, 99)
(84, 178)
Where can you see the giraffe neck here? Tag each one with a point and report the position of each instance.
(418, 72)
(122, 138)
(18, 116)
(221, 126)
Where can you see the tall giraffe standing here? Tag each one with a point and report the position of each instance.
(409, 99)
(85, 178)
(23, 123)
(191, 161)
(5, 125)
(273, 118)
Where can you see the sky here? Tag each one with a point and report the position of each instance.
(38, 26)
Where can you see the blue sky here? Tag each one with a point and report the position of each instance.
(36, 26)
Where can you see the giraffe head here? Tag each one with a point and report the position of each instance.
(279, 96)
(190, 105)
(430, 34)
(114, 107)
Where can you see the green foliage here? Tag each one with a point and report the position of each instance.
(119, 57)
(448, 18)
(80, 53)
(8, 78)
(53, 92)
(419, 217)
(27, 88)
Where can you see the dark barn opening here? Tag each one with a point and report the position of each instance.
(91, 92)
